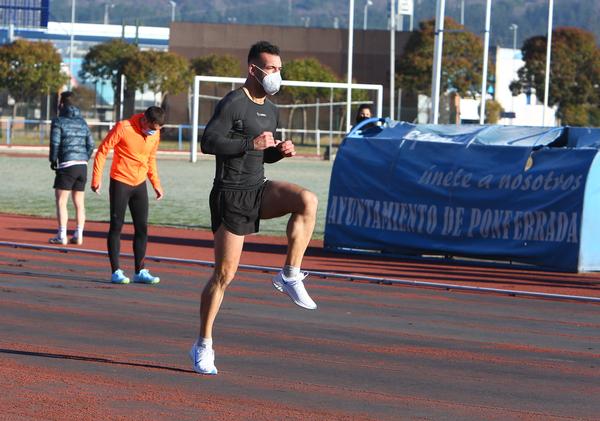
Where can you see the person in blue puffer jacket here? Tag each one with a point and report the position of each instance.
(71, 147)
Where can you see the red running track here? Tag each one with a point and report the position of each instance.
(74, 346)
(269, 251)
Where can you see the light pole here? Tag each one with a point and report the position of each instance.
(486, 47)
(365, 13)
(106, 7)
(173, 6)
(462, 12)
(71, 44)
(392, 55)
(437, 60)
(350, 54)
(548, 57)
(513, 27)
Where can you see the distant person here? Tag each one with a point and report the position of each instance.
(241, 134)
(363, 113)
(71, 147)
(135, 142)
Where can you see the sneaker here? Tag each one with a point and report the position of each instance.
(119, 277)
(203, 359)
(294, 288)
(76, 240)
(58, 240)
(145, 277)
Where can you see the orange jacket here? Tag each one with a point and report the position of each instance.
(134, 159)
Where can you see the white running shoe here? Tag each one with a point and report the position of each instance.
(295, 289)
(58, 240)
(203, 359)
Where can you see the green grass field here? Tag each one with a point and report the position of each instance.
(27, 190)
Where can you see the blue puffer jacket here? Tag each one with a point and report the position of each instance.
(70, 137)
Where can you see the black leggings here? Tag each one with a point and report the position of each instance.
(136, 197)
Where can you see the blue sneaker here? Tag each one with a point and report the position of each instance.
(119, 277)
(145, 277)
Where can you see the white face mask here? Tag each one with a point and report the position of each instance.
(271, 82)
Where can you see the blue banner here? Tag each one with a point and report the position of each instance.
(403, 195)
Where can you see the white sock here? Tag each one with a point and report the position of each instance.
(205, 342)
(290, 272)
(78, 233)
(62, 232)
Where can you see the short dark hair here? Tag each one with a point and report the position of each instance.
(155, 115)
(262, 47)
(67, 99)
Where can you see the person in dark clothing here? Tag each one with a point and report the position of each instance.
(363, 113)
(71, 147)
(241, 134)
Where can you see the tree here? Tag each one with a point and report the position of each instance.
(85, 98)
(161, 71)
(574, 72)
(493, 111)
(310, 69)
(307, 69)
(106, 61)
(461, 60)
(29, 70)
(216, 65)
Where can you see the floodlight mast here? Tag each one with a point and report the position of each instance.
(437, 60)
(486, 47)
(350, 54)
(71, 44)
(548, 58)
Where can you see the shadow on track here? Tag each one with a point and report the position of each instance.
(92, 359)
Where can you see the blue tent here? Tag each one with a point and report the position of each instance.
(522, 194)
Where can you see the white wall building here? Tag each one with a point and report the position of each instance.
(528, 109)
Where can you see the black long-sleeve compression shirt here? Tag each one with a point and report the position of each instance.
(229, 135)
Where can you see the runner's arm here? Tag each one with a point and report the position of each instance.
(54, 141)
(153, 169)
(112, 138)
(218, 138)
(272, 155)
(89, 144)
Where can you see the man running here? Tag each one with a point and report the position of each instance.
(241, 135)
(135, 142)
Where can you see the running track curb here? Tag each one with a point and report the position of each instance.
(369, 279)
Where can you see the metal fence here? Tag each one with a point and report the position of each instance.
(24, 132)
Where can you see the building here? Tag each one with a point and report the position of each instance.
(371, 58)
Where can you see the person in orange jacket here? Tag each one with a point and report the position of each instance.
(135, 142)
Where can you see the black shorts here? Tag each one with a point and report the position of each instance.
(71, 178)
(238, 210)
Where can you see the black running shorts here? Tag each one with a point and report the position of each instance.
(71, 178)
(238, 210)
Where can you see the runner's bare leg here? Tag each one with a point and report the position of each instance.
(228, 250)
(282, 198)
(62, 214)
